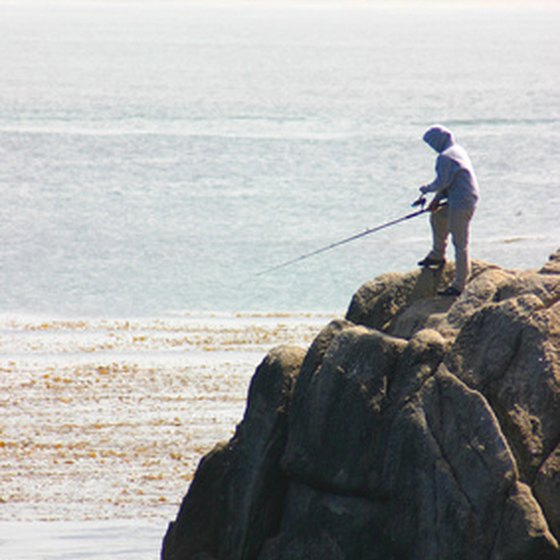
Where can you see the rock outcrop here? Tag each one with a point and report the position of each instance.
(419, 427)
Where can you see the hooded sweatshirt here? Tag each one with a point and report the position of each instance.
(455, 177)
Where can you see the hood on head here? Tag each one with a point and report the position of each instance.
(439, 138)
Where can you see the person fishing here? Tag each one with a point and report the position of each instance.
(456, 183)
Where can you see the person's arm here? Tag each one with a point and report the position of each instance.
(444, 176)
(445, 171)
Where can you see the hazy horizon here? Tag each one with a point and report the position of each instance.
(531, 4)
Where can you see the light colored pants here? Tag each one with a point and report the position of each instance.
(445, 221)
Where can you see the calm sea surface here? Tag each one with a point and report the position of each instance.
(154, 157)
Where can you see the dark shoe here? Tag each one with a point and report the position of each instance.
(449, 291)
(429, 262)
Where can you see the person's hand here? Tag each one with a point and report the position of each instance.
(434, 205)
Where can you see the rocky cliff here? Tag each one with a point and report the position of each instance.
(419, 427)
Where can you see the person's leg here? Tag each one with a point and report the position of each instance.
(459, 221)
(439, 221)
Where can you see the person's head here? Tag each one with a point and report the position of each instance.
(439, 137)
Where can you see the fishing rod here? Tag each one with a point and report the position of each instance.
(419, 202)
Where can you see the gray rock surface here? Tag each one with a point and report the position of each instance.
(553, 264)
(235, 500)
(418, 427)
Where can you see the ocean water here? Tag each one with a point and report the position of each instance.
(103, 422)
(155, 157)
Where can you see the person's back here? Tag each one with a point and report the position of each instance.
(463, 190)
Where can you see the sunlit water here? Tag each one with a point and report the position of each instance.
(154, 157)
(106, 419)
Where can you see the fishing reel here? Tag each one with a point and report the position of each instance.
(421, 201)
